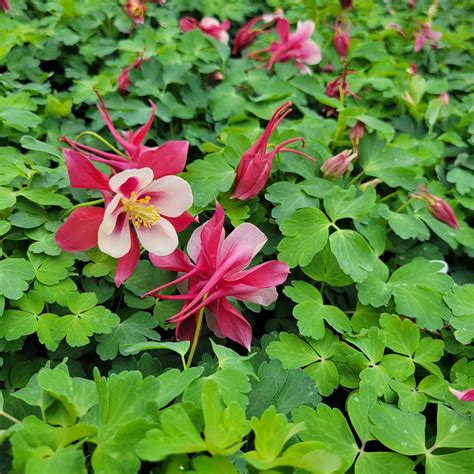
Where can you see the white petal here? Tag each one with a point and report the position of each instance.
(160, 239)
(171, 194)
(143, 176)
(116, 243)
(111, 214)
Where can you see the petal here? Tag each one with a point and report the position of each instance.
(265, 275)
(181, 222)
(304, 30)
(263, 296)
(175, 262)
(116, 243)
(168, 158)
(283, 29)
(142, 132)
(82, 173)
(239, 248)
(160, 239)
(465, 395)
(310, 53)
(232, 324)
(80, 230)
(112, 211)
(131, 180)
(128, 262)
(171, 194)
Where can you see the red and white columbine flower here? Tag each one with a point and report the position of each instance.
(438, 207)
(208, 25)
(297, 46)
(215, 271)
(465, 395)
(139, 208)
(255, 165)
(135, 10)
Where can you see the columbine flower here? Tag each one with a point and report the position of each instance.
(396, 27)
(134, 199)
(342, 38)
(438, 207)
(5, 5)
(340, 86)
(426, 35)
(248, 33)
(444, 98)
(336, 166)
(124, 78)
(297, 46)
(411, 4)
(464, 396)
(135, 10)
(209, 26)
(346, 4)
(215, 271)
(412, 69)
(255, 165)
(357, 132)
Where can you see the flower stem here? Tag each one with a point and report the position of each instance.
(352, 181)
(84, 204)
(9, 417)
(103, 140)
(388, 196)
(197, 333)
(405, 204)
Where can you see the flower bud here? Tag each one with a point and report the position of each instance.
(438, 207)
(412, 69)
(411, 4)
(373, 183)
(444, 98)
(357, 132)
(342, 39)
(336, 166)
(346, 4)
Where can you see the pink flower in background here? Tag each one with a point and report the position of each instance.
(340, 86)
(346, 4)
(465, 395)
(425, 35)
(396, 27)
(411, 4)
(135, 10)
(438, 207)
(216, 270)
(412, 69)
(248, 33)
(342, 38)
(297, 46)
(5, 5)
(134, 199)
(209, 26)
(124, 78)
(444, 98)
(357, 132)
(255, 165)
(336, 166)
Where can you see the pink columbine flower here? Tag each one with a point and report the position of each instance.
(297, 46)
(248, 33)
(139, 208)
(342, 38)
(135, 10)
(124, 78)
(444, 98)
(426, 35)
(357, 132)
(340, 86)
(411, 4)
(396, 27)
(5, 5)
(336, 166)
(216, 270)
(412, 69)
(208, 25)
(465, 395)
(255, 165)
(438, 207)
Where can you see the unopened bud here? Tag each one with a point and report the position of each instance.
(336, 166)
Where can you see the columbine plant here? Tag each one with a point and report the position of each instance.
(255, 165)
(438, 207)
(297, 46)
(216, 270)
(208, 25)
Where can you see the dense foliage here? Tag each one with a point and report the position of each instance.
(351, 368)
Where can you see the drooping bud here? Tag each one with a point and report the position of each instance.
(444, 98)
(411, 4)
(346, 4)
(412, 69)
(373, 183)
(336, 166)
(357, 132)
(342, 38)
(438, 207)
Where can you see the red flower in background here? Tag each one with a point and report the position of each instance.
(342, 38)
(248, 33)
(425, 35)
(135, 10)
(124, 78)
(438, 207)
(209, 26)
(346, 4)
(297, 46)
(255, 165)
(340, 86)
(216, 270)
(5, 5)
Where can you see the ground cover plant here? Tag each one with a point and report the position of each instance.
(236, 237)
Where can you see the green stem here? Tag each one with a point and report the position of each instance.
(103, 140)
(197, 333)
(352, 181)
(84, 204)
(388, 196)
(405, 204)
(9, 417)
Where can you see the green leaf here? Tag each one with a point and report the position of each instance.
(342, 204)
(14, 274)
(292, 351)
(453, 429)
(460, 462)
(461, 301)
(354, 255)
(306, 234)
(406, 226)
(385, 129)
(179, 347)
(328, 425)
(359, 405)
(173, 383)
(214, 465)
(402, 336)
(46, 197)
(51, 270)
(402, 432)
(383, 463)
(7, 198)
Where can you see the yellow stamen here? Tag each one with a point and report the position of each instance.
(141, 212)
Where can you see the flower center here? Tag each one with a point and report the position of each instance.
(140, 211)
